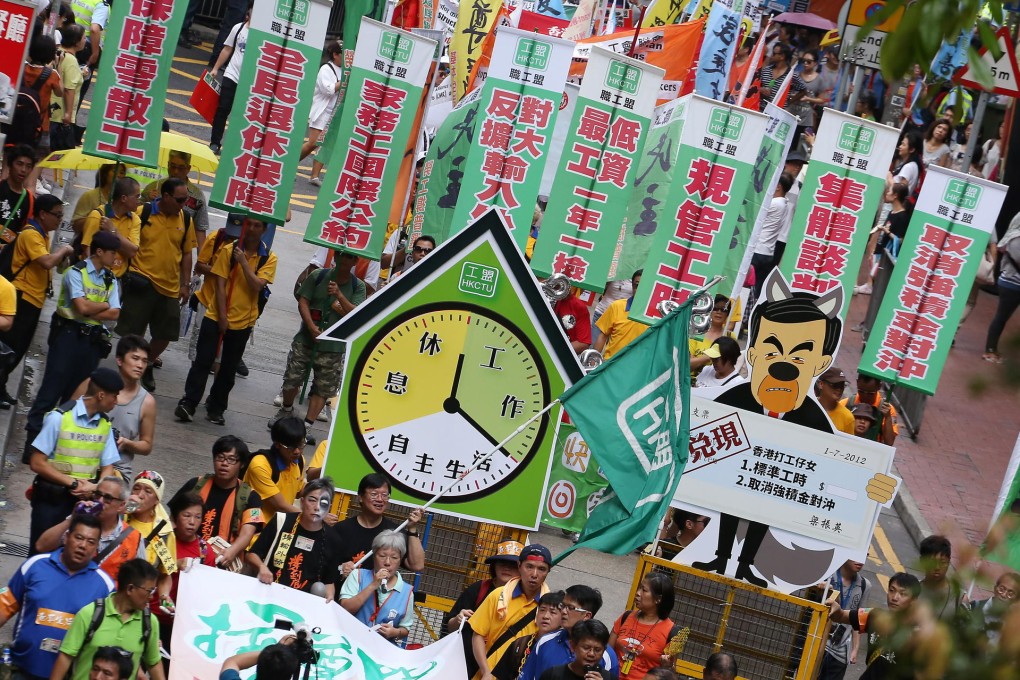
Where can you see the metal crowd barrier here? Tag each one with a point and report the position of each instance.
(772, 636)
(909, 403)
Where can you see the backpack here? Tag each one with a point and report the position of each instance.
(263, 258)
(147, 214)
(99, 613)
(26, 124)
(7, 257)
(268, 455)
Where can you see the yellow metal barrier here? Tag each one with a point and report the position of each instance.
(772, 636)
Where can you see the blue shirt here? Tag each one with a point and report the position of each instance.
(76, 287)
(553, 649)
(49, 596)
(46, 441)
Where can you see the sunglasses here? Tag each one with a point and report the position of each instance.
(419, 249)
(807, 61)
(105, 497)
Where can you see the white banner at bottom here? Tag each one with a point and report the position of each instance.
(220, 614)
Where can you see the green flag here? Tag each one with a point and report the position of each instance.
(1003, 542)
(633, 412)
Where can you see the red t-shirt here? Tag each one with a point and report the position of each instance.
(572, 305)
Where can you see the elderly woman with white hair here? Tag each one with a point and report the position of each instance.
(379, 597)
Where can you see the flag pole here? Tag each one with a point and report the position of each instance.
(478, 463)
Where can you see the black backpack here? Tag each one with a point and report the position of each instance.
(7, 256)
(26, 124)
(265, 293)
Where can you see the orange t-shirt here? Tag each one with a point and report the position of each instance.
(33, 72)
(644, 643)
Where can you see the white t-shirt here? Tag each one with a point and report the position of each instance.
(325, 96)
(238, 39)
(908, 173)
(708, 377)
(775, 218)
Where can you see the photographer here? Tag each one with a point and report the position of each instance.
(275, 662)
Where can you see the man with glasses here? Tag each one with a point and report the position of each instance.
(580, 603)
(683, 527)
(352, 538)
(178, 166)
(276, 474)
(31, 263)
(118, 217)
(158, 279)
(829, 389)
(47, 591)
(986, 616)
(230, 509)
(120, 622)
(885, 428)
(118, 542)
(401, 261)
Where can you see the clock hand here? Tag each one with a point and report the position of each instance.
(451, 404)
(492, 440)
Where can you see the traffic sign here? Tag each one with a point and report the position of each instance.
(1005, 74)
(853, 17)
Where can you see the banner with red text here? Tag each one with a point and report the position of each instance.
(948, 233)
(263, 142)
(389, 73)
(672, 48)
(588, 199)
(519, 105)
(843, 188)
(126, 118)
(718, 150)
(13, 51)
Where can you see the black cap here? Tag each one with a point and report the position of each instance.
(104, 240)
(107, 379)
(864, 411)
(536, 553)
(795, 156)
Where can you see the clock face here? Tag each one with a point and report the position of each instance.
(437, 388)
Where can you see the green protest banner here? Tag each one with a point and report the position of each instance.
(655, 169)
(842, 191)
(442, 173)
(1002, 544)
(575, 481)
(917, 320)
(262, 144)
(596, 171)
(520, 101)
(387, 78)
(718, 148)
(126, 118)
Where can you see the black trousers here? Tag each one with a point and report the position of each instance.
(228, 88)
(51, 505)
(19, 337)
(1009, 300)
(205, 355)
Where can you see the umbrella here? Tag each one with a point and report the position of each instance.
(805, 19)
(202, 157)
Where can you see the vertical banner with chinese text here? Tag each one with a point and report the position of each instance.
(389, 73)
(262, 146)
(919, 315)
(718, 48)
(718, 148)
(519, 105)
(597, 169)
(842, 191)
(475, 21)
(14, 36)
(126, 119)
(576, 483)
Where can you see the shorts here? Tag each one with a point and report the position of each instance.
(327, 369)
(145, 307)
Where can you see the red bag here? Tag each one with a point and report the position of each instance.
(206, 97)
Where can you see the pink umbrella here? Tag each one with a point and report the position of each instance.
(805, 19)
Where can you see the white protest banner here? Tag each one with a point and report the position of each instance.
(220, 614)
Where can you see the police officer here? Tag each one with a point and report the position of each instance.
(89, 295)
(73, 451)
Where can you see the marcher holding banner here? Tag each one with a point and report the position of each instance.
(920, 313)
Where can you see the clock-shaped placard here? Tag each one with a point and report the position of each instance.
(444, 364)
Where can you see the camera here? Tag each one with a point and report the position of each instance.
(303, 645)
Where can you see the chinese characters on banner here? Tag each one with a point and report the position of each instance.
(842, 191)
(16, 21)
(222, 614)
(126, 119)
(596, 171)
(517, 111)
(718, 48)
(576, 482)
(475, 21)
(919, 315)
(389, 73)
(655, 167)
(718, 148)
(262, 144)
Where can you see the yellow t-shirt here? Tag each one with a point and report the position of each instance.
(71, 79)
(842, 418)
(8, 298)
(243, 309)
(319, 457)
(166, 533)
(89, 201)
(207, 293)
(487, 622)
(33, 279)
(618, 329)
(260, 478)
(159, 250)
(127, 225)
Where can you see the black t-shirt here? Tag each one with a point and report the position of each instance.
(898, 222)
(881, 661)
(308, 559)
(564, 673)
(9, 199)
(469, 599)
(213, 506)
(350, 541)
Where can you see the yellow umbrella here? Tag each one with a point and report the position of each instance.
(202, 157)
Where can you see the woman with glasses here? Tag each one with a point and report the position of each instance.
(809, 107)
(717, 329)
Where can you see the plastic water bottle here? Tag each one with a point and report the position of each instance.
(131, 506)
(6, 660)
(6, 666)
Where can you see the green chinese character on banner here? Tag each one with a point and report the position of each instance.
(962, 194)
(726, 123)
(395, 47)
(377, 671)
(623, 77)
(284, 10)
(532, 54)
(857, 139)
